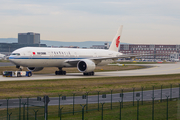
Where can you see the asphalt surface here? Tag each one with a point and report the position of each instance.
(155, 69)
(147, 96)
(6, 64)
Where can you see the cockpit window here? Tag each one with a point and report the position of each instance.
(15, 54)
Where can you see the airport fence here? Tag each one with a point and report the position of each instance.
(157, 103)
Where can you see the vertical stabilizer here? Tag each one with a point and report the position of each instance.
(115, 44)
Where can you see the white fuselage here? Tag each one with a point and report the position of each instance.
(58, 57)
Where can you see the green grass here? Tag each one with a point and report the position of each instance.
(4, 61)
(15, 89)
(128, 112)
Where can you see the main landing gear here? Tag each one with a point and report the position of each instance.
(89, 73)
(60, 72)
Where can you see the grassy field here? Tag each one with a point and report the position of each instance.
(128, 112)
(4, 61)
(66, 87)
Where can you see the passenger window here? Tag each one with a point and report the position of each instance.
(15, 54)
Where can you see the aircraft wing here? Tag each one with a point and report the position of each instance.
(123, 56)
(74, 62)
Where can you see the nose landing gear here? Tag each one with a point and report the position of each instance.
(19, 67)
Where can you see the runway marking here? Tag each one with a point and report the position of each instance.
(152, 67)
(176, 68)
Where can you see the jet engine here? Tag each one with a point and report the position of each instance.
(86, 66)
(35, 68)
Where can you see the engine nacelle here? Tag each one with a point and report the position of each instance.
(86, 66)
(35, 68)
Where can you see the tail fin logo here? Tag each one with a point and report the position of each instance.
(117, 41)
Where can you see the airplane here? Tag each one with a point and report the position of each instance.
(86, 60)
(2, 56)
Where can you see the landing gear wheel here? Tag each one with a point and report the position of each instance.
(64, 72)
(89, 74)
(60, 73)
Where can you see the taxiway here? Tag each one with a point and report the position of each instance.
(154, 69)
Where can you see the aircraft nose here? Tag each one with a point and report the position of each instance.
(10, 58)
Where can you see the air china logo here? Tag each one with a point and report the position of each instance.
(117, 41)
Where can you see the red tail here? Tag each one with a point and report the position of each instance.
(117, 41)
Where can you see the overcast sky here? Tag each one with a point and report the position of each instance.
(152, 21)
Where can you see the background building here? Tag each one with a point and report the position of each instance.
(28, 38)
(161, 51)
(174, 57)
